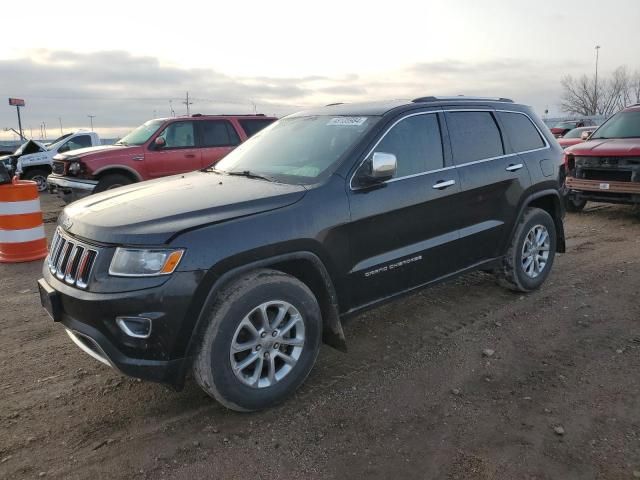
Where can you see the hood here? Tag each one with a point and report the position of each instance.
(150, 213)
(612, 147)
(87, 153)
(567, 142)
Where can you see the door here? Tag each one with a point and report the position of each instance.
(178, 154)
(216, 139)
(402, 232)
(492, 183)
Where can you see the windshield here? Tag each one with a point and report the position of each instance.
(621, 125)
(57, 143)
(576, 132)
(297, 149)
(140, 135)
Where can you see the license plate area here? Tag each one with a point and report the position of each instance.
(50, 300)
(604, 186)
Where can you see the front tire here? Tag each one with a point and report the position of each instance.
(261, 341)
(572, 205)
(530, 256)
(112, 180)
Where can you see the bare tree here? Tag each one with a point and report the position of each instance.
(579, 95)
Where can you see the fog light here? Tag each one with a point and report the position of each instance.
(136, 327)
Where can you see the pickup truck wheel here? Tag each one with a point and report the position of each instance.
(261, 341)
(573, 205)
(113, 180)
(531, 253)
(39, 176)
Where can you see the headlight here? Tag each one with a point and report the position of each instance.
(75, 168)
(133, 262)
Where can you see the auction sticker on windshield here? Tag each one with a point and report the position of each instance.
(347, 121)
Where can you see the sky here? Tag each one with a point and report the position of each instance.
(125, 62)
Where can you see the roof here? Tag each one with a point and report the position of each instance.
(382, 107)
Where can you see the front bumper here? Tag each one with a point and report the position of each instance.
(90, 320)
(70, 189)
(604, 190)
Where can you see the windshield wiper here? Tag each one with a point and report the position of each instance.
(249, 174)
(124, 144)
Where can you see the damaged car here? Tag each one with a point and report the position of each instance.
(606, 168)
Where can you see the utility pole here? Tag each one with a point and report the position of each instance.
(60, 120)
(595, 109)
(18, 102)
(187, 103)
(91, 117)
(173, 113)
(44, 129)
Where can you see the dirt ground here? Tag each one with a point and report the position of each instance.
(415, 397)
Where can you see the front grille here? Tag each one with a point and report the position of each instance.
(71, 261)
(607, 175)
(58, 168)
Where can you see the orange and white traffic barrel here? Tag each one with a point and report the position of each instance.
(22, 236)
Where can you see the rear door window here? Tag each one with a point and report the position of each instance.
(416, 143)
(251, 126)
(217, 133)
(474, 136)
(522, 134)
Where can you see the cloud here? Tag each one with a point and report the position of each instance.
(123, 90)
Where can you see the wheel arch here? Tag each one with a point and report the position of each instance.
(551, 202)
(119, 169)
(303, 265)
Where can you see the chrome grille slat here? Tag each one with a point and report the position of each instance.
(70, 260)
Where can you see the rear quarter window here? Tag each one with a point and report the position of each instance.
(521, 132)
(474, 136)
(253, 126)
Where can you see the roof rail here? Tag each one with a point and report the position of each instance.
(460, 98)
(228, 115)
(334, 104)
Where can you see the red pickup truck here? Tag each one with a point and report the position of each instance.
(157, 148)
(606, 168)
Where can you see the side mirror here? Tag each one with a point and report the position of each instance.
(383, 166)
(159, 142)
(585, 135)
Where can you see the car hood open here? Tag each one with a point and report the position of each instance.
(150, 213)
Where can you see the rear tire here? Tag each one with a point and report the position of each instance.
(39, 176)
(112, 180)
(530, 256)
(248, 360)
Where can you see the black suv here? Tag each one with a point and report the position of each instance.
(239, 271)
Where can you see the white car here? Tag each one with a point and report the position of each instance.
(32, 160)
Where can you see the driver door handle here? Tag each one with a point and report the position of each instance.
(442, 184)
(514, 167)
(190, 155)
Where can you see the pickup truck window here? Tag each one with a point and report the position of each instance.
(81, 141)
(140, 135)
(416, 143)
(298, 149)
(217, 133)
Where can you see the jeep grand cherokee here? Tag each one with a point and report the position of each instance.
(238, 271)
